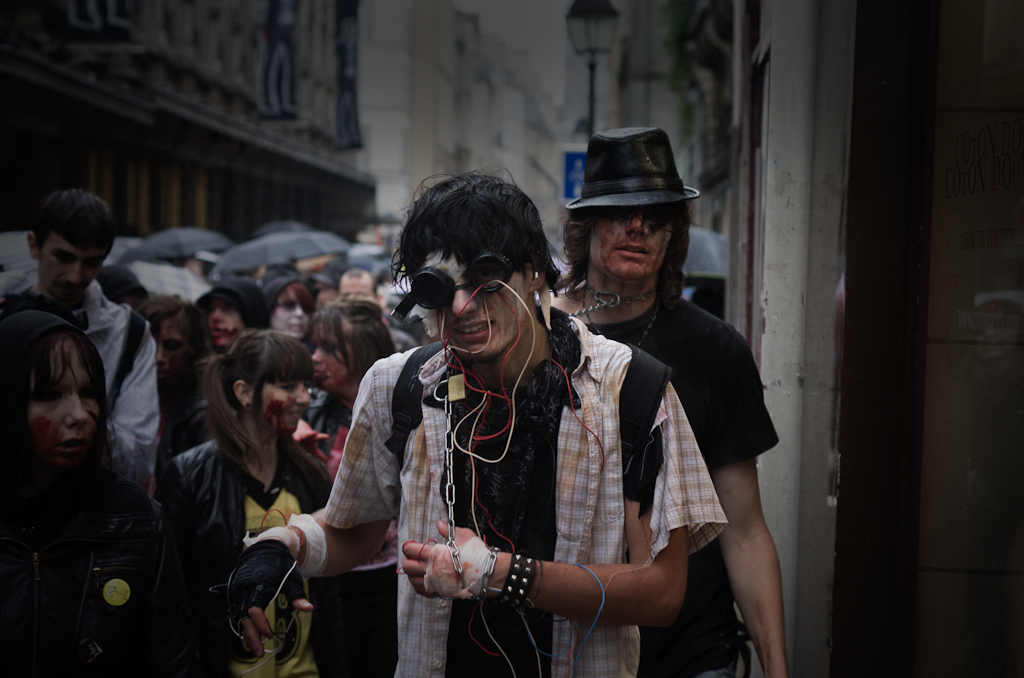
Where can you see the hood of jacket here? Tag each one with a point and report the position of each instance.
(244, 295)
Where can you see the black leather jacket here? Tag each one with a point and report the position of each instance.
(326, 414)
(55, 619)
(184, 429)
(203, 494)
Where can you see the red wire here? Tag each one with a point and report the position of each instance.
(469, 630)
(269, 511)
(504, 393)
(572, 406)
(424, 545)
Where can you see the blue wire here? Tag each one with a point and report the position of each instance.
(596, 617)
(530, 636)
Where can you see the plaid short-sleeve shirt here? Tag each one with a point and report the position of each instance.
(589, 512)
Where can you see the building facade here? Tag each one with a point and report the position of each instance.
(217, 114)
(439, 96)
(875, 222)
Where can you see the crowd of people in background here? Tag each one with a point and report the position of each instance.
(305, 339)
(153, 439)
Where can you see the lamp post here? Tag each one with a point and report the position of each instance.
(592, 30)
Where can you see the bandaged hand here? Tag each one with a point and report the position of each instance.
(441, 577)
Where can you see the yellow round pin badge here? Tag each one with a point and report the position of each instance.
(117, 592)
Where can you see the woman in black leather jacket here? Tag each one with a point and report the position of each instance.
(92, 584)
(250, 477)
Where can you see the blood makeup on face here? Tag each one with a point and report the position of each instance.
(329, 372)
(274, 414)
(625, 249)
(225, 324)
(173, 353)
(63, 420)
(284, 404)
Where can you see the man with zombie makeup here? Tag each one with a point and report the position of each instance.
(250, 477)
(72, 233)
(626, 239)
(233, 305)
(514, 506)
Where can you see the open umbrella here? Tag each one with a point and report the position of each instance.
(14, 253)
(281, 227)
(177, 243)
(278, 248)
(122, 244)
(708, 256)
(168, 279)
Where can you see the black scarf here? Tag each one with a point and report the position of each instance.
(518, 491)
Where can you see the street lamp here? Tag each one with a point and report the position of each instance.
(592, 30)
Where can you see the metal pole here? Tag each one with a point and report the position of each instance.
(590, 121)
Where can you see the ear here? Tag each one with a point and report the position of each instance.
(33, 246)
(536, 279)
(545, 304)
(243, 392)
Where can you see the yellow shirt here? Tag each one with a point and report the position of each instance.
(294, 658)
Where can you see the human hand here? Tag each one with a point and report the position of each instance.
(307, 437)
(261, 569)
(431, 569)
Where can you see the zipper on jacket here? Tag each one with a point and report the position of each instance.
(35, 610)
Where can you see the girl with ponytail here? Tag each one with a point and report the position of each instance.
(250, 477)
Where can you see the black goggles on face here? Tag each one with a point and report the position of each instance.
(433, 288)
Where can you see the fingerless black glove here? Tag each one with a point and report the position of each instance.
(259, 573)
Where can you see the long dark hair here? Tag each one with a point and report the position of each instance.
(43, 365)
(257, 357)
(354, 332)
(579, 225)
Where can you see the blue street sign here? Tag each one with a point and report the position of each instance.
(573, 177)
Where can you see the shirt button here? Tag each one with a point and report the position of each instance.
(438, 663)
(442, 603)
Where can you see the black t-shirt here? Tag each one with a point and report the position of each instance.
(718, 384)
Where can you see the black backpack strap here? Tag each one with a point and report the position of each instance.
(133, 338)
(406, 408)
(642, 391)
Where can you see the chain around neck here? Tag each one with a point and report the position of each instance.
(605, 299)
(650, 323)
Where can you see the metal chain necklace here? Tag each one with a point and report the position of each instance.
(621, 299)
(449, 488)
(586, 311)
(613, 302)
(650, 324)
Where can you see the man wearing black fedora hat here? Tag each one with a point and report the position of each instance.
(626, 239)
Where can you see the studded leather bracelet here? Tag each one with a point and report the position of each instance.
(521, 571)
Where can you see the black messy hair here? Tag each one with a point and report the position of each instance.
(80, 217)
(465, 215)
